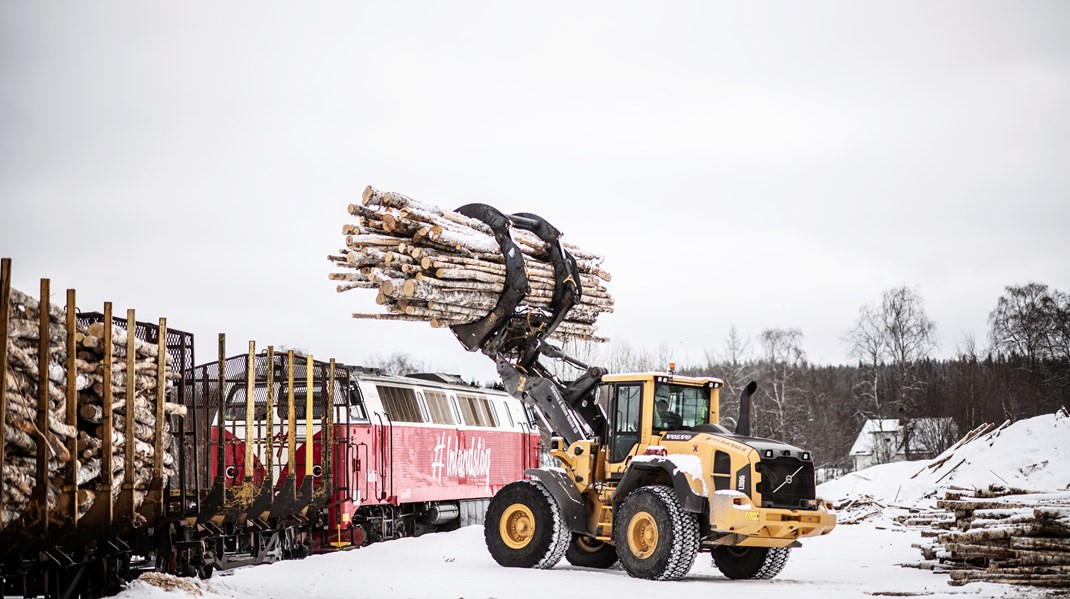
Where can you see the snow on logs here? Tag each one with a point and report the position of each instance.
(441, 267)
(73, 447)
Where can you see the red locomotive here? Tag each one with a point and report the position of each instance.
(407, 454)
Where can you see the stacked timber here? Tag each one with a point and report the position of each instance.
(441, 267)
(999, 534)
(21, 433)
(91, 407)
(73, 446)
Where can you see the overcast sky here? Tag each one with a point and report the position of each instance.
(761, 165)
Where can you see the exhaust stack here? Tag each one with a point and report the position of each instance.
(743, 425)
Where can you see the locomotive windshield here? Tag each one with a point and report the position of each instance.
(678, 407)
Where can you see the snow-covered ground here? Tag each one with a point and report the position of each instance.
(860, 560)
(853, 561)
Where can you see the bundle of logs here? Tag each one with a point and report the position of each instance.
(22, 435)
(999, 534)
(444, 268)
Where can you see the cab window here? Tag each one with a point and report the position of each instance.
(627, 411)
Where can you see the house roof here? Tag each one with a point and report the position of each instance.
(864, 443)
(873, 428)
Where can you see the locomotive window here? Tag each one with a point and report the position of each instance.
(509, 414)
(439, 406)
(423, 406)
(400, 403)
(476, 410)
(356, 404)
(282, 408)
(456, 412)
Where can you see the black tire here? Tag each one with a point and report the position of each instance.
(524, 527)
(655, 538)
(750, 562)
(588, 552)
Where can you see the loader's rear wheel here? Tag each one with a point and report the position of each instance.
(656, 539)
(524, 527)
(588, 552)
(750, 562)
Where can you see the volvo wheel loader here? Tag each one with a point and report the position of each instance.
(647, 475)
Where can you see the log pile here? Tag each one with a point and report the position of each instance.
(999, 534)
(438, 266)
(22, 436)
(21, 433)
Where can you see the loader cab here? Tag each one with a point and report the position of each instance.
(644, 407)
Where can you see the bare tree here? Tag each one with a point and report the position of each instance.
(397, 364)
(899, 333)
(1031, 321)
(734, 364)
(782, 355)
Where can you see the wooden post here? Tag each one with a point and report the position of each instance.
(161, 397)
(291, 441)
(5, 314)
(270, 424)
(221, 420)
(107, 425)
(308, 419)
(44, 352)
(250, 388)
(131, 390)
(72, 405)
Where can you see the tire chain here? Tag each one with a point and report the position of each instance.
(685, 531)
(775, 561)
(561, 537)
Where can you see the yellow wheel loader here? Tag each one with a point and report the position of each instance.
(647, 475)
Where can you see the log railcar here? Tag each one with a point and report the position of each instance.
(240, 483)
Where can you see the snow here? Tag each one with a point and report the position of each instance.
(1030, 454)
(852, 561)
(456, 564)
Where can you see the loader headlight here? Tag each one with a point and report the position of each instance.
(768, 453)
(806, 456)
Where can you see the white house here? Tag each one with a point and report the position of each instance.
(891, 440)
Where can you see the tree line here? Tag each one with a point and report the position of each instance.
(1021, 370)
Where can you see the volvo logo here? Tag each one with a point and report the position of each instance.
(788, 479)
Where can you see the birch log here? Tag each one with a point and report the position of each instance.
(438, 266)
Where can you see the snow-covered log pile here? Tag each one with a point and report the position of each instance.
(441, 267)
(22, 435)
(998, 534)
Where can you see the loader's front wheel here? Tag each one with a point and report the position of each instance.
(524, 527)
(750, 562)
(588, 552)
(655, 538)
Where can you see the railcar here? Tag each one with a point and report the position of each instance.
(267, 456)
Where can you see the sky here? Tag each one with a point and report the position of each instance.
(753, 165)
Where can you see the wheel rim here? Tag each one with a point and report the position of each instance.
(517, 526)
(588, 544)
(642, 535)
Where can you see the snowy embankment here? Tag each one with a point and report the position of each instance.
(857, 560)
(1031, 454)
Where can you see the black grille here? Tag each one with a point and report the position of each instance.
(787, 483)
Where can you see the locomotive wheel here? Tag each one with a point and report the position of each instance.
(588, 552)
(656, 539)
(524, 527)
(750, 562)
